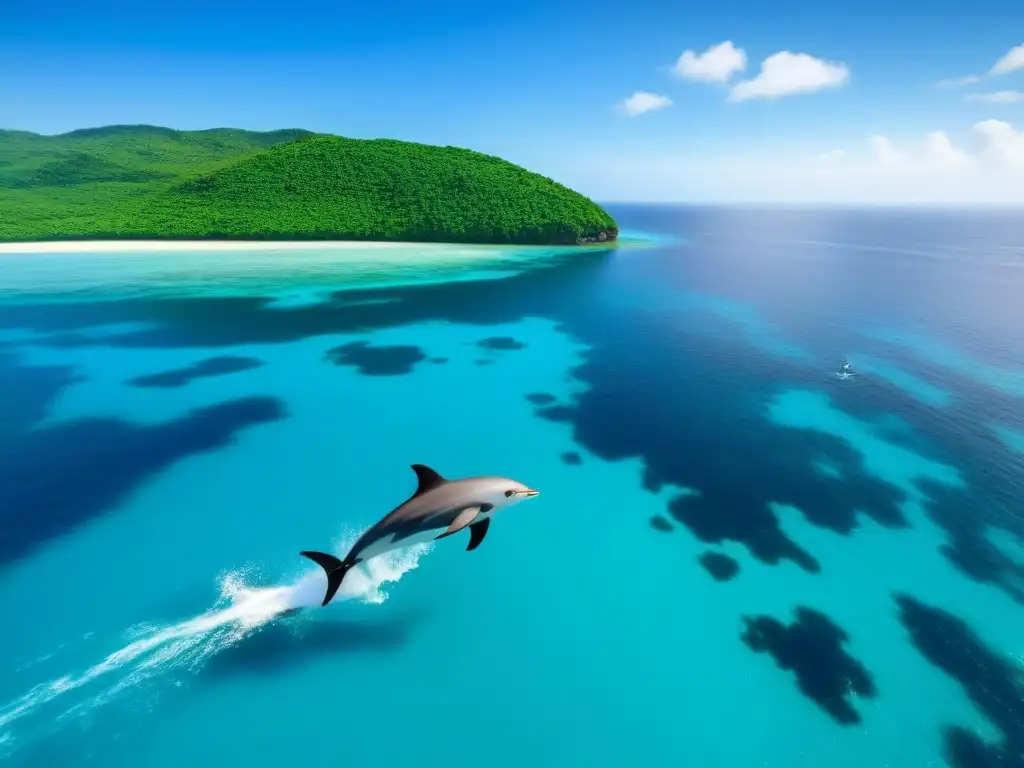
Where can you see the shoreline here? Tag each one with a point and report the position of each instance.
(121, 246)
(127, 246)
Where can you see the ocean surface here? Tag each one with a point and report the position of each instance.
(736, 558)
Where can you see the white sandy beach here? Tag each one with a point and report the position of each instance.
(114, 246)
(137, 246)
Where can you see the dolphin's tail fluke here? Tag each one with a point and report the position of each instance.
(333, 567)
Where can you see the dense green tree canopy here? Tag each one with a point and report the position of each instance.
(148, 182)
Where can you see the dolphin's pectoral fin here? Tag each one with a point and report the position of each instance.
(464, 518)
(477, 531)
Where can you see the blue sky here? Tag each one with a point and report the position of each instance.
(542, 84)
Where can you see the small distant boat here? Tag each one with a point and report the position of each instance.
(845, 371)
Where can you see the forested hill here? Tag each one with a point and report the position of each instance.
(151, 182)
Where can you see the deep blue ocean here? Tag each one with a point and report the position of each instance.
(736, 559)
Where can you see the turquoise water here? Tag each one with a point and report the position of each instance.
(667, 401)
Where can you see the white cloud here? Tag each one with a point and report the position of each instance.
(884, 152)
(785, 73)
(983, 165)
(935, 153)
(1000, 144)
(715, 65)
(999, 97)
(1011, 62)
(958, 82)
(987, 165)
(642, 101)
(940, 154)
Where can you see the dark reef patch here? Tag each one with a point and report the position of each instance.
(212, 366)
(812, 648)
(993, 683)
(541, 398)
(572, 458)
(439, 360)
(55, 478)
(969, 548)
(501, 343)
(766, 540)
(659, 523)
(723, 445)
(719, 565)
(377, 361)
(26, 394)
(958, 437)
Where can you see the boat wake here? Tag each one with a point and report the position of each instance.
(187, 645)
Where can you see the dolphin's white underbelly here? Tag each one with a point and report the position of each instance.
(389, 544)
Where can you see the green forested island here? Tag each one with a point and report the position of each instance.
(146, 182)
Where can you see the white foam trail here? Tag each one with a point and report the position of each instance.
(190, 643)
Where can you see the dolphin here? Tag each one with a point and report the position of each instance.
(437, 504)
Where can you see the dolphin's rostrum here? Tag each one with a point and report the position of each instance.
(438, 504)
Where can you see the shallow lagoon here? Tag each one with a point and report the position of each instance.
(156, 502)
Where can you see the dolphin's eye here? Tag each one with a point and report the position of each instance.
(509, 494)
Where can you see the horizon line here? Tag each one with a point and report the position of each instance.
(947, 205)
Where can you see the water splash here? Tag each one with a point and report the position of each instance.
(240, 610)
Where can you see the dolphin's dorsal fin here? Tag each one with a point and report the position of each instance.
(428, 479)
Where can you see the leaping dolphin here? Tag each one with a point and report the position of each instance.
(438, 504)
